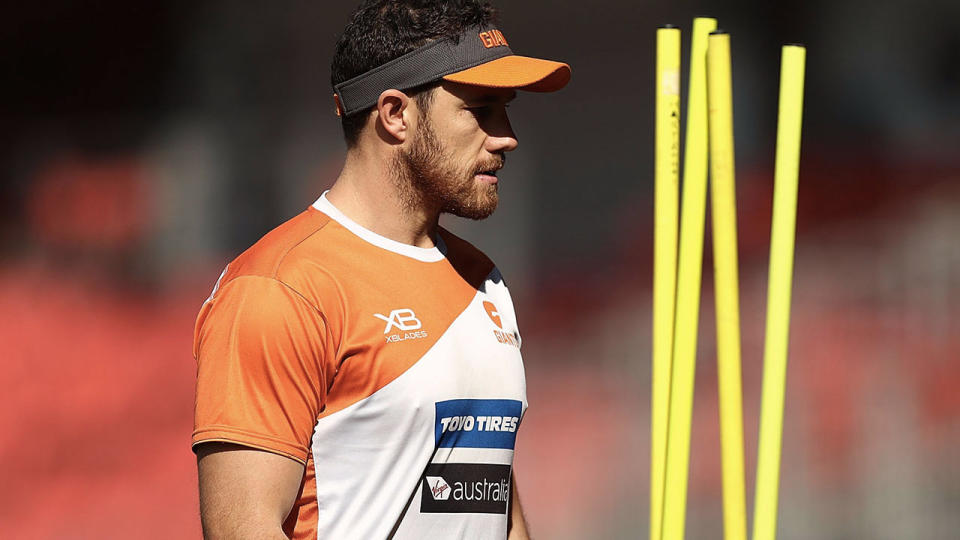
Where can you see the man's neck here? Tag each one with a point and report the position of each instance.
(367, 192)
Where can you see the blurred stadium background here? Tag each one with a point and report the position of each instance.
(145, 144)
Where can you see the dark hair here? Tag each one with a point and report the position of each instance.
(381, 30)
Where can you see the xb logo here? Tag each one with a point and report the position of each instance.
(403, 319)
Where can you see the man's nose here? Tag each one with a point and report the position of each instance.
(502, 138)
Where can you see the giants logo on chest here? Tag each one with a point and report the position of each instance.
(502, 337)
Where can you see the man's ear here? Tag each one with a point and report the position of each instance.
(392, 114)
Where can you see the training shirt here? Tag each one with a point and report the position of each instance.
(392, 372)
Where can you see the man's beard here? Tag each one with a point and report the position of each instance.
(427, 176)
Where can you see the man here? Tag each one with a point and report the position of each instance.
(359, 373)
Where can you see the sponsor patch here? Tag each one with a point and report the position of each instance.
(465, 488)
(477, 423)
(438, 487)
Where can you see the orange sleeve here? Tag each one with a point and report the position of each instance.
(261, 367)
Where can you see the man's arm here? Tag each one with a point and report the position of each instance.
(516, 524)
(245, 493)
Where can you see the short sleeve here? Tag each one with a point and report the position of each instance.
(261, 377)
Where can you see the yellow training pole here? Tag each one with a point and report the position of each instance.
(726, 288)
(688, 288)
(782, 238)
(666, 211)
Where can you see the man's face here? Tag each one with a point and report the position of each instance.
(458, 147)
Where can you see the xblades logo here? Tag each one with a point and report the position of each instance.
(405, 321)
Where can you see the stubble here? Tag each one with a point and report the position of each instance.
(428, 177)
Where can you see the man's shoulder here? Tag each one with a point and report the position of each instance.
(269, 255)
(299, 254)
